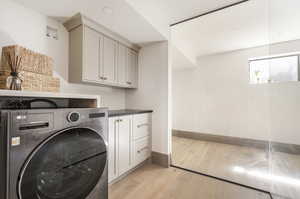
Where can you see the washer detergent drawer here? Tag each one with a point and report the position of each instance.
(141, 126)
(142, 150)
(31, 122)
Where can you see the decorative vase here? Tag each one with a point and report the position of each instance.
(14, 58)
(14, 82)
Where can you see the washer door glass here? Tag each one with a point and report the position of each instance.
(66, 166)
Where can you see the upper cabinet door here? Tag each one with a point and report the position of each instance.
(122, 64)
(132, 69)
(92, 44)
(108, 66)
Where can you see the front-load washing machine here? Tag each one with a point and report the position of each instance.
(53, 154)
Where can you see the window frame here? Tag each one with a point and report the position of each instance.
(295, 54)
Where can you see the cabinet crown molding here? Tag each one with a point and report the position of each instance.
(79, 19)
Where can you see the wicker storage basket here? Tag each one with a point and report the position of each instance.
(31, 61)
(36, 70)
(33, 81)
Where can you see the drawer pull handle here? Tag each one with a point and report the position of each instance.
(142, 149)
(141, 125)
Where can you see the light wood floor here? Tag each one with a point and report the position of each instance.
(221, 160)
(276, 172)
(154, 182)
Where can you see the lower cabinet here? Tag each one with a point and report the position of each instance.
(113, 149)
(124, 142)
(127, 149)
(119, 142)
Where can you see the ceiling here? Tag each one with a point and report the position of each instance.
(229, 29)
(123, 20)
(162, 13)
(129, 17)
(251, 24)
(140, 21)
(179, 60)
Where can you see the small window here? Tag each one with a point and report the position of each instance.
(274, 69)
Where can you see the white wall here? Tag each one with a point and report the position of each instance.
(215, 98)
(153, 92)
(26, 27)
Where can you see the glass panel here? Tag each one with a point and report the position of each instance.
(68, 166)
(220, 120)
(284, 102)
(235, 122)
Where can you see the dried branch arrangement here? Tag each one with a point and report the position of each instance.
(14, 81)
(22, 68)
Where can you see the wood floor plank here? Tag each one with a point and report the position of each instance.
(154, 182)
(272, 171)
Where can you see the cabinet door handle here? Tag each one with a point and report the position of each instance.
(115, 149)
(103, 78)
(129, 83)
(142, 149)
(130, 143)
(141, 125)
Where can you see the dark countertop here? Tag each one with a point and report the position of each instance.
(114, 113)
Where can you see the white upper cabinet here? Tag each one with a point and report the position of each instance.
(109, 64)
(122, 64)
(99, 56)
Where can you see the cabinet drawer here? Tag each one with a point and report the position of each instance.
(141, 150)
(141, 125)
